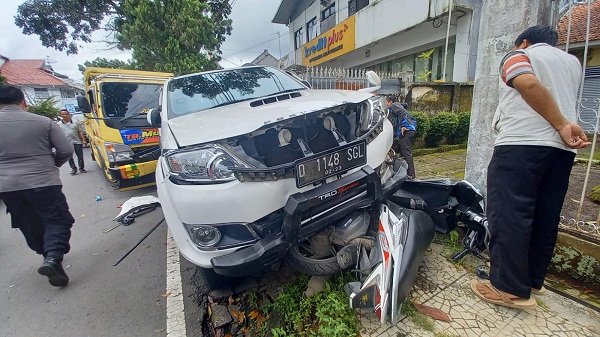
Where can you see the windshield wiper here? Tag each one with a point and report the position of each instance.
(131, 116)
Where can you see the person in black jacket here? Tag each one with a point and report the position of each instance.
(32, 148)
(405, 131)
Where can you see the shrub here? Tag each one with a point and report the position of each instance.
(45, 108)
(423, 124)
(442, 126)
(461, 134)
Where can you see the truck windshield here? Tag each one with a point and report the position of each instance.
(128, 99)
(199, 92)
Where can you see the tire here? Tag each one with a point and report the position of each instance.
(310, 266)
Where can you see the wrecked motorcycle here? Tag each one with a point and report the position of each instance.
(405, 228)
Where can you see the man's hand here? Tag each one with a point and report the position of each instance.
(573, 135)
(402, 131)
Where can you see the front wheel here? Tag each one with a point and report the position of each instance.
(315, 256)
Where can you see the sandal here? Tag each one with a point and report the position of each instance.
(540, 291)
(518, 303)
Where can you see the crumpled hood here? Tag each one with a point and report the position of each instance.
(237, 119)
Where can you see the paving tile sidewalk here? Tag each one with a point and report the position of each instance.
(443, 285)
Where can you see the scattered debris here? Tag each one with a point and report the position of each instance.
(135, 207)
(98, 197)
(433, 312)
(165, 295)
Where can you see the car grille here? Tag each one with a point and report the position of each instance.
(146, 153)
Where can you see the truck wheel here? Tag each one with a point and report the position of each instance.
(305, 261)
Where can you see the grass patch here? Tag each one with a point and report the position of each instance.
(439, 149)
(327, 313)
(421, 320)
(542, 304)
(443, 334)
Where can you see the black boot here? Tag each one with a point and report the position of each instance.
(52, 267)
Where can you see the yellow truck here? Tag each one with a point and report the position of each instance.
(122, 142)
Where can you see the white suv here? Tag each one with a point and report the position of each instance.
(254, 163)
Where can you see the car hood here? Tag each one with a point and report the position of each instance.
(240, 118)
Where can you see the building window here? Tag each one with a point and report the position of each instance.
(67, 94)
(311, 29)
(356, 5)
(41, 93)
(328, 17)
(298, 39)
(327, 12)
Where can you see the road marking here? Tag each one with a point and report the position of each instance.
(175, 309)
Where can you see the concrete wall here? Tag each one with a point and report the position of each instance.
(438, 97)
(502, 21)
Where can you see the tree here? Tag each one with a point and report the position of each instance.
(171, 35)
(45, 107)
(106, 63)
(179, 36)
(2, 79)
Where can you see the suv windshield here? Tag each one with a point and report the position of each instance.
(122, 100)
(205, 91)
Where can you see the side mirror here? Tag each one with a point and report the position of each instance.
(373, 79)
(153, 117)
(83, 104)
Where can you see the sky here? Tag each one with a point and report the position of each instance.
(252, 33)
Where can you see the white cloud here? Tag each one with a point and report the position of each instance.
(252, 33)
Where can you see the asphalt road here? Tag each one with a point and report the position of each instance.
(100, 300)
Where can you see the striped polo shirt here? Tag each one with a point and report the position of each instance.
(515, 64)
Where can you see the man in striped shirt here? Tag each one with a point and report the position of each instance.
(528, 175)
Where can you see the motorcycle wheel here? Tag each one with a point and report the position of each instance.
(306, 261)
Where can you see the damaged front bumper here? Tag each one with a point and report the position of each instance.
(134, 175)
(306, 214)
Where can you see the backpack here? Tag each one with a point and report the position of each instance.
(398, 122)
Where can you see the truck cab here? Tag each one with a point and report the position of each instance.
(122, 142)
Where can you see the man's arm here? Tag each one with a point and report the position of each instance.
(541, 100)
(64, 147)
(81, 135)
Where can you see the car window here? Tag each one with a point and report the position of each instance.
(124, 99)
(205, 91)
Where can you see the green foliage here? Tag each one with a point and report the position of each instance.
(442, 126)
(423, 123)
(45, 108)
(439, 149)
(426, 54)
(420, 320)
(327, 313)
(176, 36)
(461, 134)
(106, 63)
(2, 79)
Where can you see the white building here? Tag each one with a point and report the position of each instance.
(38, 81)
(385, 35)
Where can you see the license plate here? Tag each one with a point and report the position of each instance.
(330, 163)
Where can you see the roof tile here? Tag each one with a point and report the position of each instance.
(28, 72)
(579, 24)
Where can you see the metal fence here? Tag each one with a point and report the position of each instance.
(354, 79)
(588, 113)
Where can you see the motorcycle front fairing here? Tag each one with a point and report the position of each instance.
(404, 236)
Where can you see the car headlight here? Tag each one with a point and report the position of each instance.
(372, 113)
(206, 164)
(118, 152)
(221, 236)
